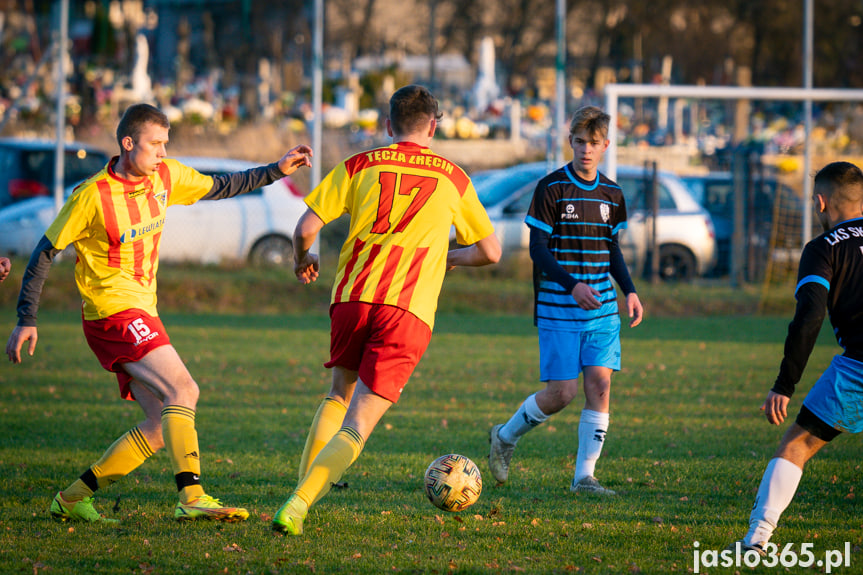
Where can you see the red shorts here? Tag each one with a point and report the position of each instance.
(124, 337)
(381, 342)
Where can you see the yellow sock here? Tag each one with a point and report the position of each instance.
(330, 464)
(328, 420)
(124, 456)
(181, 443)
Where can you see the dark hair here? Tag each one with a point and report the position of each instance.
(136, 117)
(411, 107)
(841, 180)
(591, 120)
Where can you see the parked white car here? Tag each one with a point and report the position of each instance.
(685, 235)
(256, 227)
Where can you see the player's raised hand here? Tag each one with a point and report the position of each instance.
(19, 335)
(5, 268)
(775, 407)
(297, 157)
(306, 268)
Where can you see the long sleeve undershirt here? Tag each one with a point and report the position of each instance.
(802, 334)
(546, 262)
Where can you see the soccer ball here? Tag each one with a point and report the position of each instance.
(453, 482)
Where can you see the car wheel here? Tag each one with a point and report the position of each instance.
(676, 263)
(272, 251)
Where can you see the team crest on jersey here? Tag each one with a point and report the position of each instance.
(605, 212)
(162, 198)
(569, 213)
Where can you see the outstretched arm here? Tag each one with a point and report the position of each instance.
(484, 252)
(306, 264)
(235, 183)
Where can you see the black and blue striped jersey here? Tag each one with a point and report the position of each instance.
(582, 219)
(830, 277)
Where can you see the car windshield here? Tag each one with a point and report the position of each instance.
(78, 165)
(494, 187)
(635, 192)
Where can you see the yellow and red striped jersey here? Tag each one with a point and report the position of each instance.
(403, 200)
(116, 226)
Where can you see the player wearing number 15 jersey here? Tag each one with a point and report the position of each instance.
(114, 220)
(402, 200)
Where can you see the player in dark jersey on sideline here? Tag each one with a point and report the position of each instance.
(115, 219)
(830, 277)
(574, 220)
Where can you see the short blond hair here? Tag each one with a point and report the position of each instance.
(590, 119)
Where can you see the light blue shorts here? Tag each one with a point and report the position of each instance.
(564, 354)
(837, 396)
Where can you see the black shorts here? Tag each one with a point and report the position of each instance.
(813, 424)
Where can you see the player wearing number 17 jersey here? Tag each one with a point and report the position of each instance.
(402, 200)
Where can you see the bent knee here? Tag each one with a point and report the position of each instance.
(598, 387)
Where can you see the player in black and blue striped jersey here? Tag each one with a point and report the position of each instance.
(574, 220)
(830, 277)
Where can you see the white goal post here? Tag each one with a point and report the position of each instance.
(615, 91)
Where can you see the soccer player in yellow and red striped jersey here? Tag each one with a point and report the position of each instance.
(114, 220)
(403, 200)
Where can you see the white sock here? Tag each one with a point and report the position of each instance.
(591, 435)
(528, 416)
(775, 493)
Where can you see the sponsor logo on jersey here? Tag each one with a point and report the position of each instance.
(142, 230)
(569, 213)
(605, 212)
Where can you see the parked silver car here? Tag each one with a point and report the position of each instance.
(685, 235)
(255, 227)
